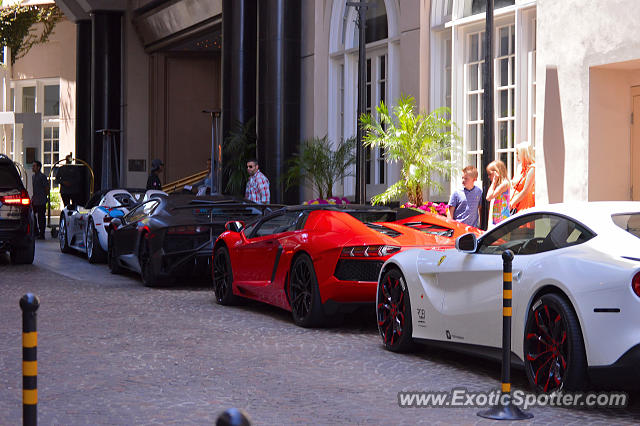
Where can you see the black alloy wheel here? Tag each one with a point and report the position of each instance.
(95, 253)
(304, 294)
(223, 278)
(114, 267)
(62, 235)
(149, 277)
(554, 352)
(393, 312)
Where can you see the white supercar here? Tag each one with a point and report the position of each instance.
(576, 294)
(85, 228)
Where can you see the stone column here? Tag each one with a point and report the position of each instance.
(279, 42)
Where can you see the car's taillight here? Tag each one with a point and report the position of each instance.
(369, 251)
(635, 284)
(187, 230)
(21, 199)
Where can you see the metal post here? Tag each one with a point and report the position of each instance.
(505, 410)
(488, 152)
(361, 187)
(29, 304)
(216, 151)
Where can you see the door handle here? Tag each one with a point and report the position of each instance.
(517, 276)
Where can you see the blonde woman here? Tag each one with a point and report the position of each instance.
(498, 192)
(524, 182)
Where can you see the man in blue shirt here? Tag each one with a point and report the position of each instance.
(464, 204)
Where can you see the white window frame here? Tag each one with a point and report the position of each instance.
(522, 16)
(343, 58)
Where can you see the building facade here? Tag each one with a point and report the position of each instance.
(148, 69)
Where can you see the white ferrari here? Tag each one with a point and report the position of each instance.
(576, 294)
(85, 228)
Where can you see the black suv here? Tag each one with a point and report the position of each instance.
(16, 214)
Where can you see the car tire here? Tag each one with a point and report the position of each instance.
(23, 255)
(95, 253)
(554, 353)
(223, 278)
(62, 235)
(114, 267)
(148, 275)
(393, 312)
(304, 294)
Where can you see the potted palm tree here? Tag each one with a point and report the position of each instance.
(421, 143)
(321, 165)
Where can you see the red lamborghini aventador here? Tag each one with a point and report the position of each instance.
(320, 261)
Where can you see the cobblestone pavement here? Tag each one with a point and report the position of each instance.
(111, 351)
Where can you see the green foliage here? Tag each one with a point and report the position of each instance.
(321, 165)
(238, 147)
(17, 29)
(422, 143)
(54, 199)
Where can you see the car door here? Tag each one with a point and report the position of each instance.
(127, 234)
(472, 282)
(262, 249)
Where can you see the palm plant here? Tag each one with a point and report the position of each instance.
(422, 143)
(321, 165)
(239, 146)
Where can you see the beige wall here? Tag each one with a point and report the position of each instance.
(597, 33)
(56, 58)
(609, 132)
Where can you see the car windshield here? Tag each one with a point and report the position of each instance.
(630, 222)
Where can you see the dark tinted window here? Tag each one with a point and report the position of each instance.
(629, 222)
(8, 176)
(429, 228)
(533, 234)
(373, 216)
(285, 222)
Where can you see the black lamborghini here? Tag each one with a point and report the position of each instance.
(171, 237)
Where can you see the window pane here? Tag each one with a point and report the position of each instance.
(473, 137)
(503, 134)
(382, 67)
(47, 158)
(376, 21)
(504, 41)
(56, 132)
(504, 72)
(503, 103)
(473, 77)
(52, 100)
(473, 48)
(473, 107)
(29, 99)
(47, 132)
(56, 146)
(368, 80)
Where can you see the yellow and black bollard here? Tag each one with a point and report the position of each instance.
(506, 410)
(29, 304)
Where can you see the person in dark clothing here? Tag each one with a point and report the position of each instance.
(154, 181)
(69, 177)
(39, 199)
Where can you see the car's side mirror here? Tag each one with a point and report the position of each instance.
(234, 226)
(467, 243)
(116, 223)
(115, 213)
